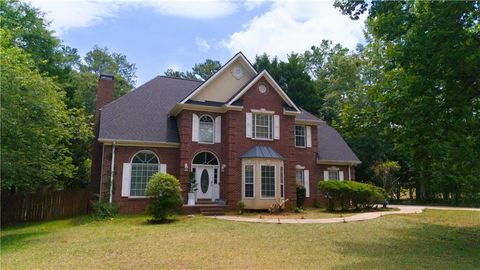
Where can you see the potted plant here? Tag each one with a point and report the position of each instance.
(192, 188)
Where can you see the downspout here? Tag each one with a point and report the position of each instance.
(349, 173)
(111, 174)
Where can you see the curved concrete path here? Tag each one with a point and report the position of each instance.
(404, 209)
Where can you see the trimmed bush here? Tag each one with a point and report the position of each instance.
(301, 195)
(165, 196)
(351, 194)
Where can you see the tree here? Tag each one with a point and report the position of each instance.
(385, 173)
(428, 95)
(29, 31)
(337, 76)
(201, 71)
(35, 125)
(206, 69)
(97, 61)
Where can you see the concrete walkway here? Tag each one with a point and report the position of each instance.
(404, 209)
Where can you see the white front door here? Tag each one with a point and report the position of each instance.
(204, 178)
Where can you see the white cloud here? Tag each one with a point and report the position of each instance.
(294, 26)
(174, 66)
(202, 44)
(201, 9)
(80, 13)
(252, 4)
(83, 13)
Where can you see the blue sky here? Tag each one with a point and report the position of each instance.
(156, 35)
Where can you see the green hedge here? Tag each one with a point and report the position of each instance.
(351, 194)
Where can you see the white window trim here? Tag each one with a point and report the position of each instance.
(244, 182)
(267, 164)
(213, 129)
(304, 136)
(254, 124)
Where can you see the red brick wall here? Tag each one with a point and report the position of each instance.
(124, 154)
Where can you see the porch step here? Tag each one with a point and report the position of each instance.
(204, 201)
(213, 210)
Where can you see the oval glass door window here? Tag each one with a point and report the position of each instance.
(204, 181)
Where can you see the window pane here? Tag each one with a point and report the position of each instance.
(262, 126)
(206, 129)
(300, 136)
(249, 181)
(141, 174)
(333, 175)
(268, 181)
(300, 177)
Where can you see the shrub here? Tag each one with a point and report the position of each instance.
(298, 210)
(165, 196)
(301, 195)
(241, 207)
(350, 194)
(103, 210)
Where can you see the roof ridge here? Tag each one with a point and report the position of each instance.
(177, 78)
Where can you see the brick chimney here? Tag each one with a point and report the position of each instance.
(105, 94)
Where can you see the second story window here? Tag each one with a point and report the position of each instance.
(300, 136)
(262, 126)
(206, 129)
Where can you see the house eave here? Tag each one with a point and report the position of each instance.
(338, 162)
(121, 142)
(203, 108)
(308, 122)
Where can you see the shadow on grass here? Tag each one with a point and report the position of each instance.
(17, 240)
(423, 246)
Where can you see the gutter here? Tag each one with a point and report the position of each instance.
(111, 174)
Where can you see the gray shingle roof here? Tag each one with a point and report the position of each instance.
(142, 114)
(306, 116)
(261, 152)
(332, 146)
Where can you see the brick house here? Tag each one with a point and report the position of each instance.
(239, 132)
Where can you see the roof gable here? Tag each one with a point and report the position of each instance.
(223, 84)
(272, 82)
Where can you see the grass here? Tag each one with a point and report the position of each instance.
(435, 239)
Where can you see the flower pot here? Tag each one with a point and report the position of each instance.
(191, 199)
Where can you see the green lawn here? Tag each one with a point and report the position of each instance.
(435, 239)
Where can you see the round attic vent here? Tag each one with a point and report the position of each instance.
(262, 88)
(237, 72)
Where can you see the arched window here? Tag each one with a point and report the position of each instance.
(206, 129)
(144, 165)
(205, 158)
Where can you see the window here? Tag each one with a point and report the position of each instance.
(262, 126)
(205, 158)
(300, 136)
(333, 175)
(144, 165)
(249, 181)
(300, 177)
(206, 129)
(268, 181)
(282, 189)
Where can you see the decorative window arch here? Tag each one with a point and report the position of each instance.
(144, 164)
(205, 130)
(205, 158)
